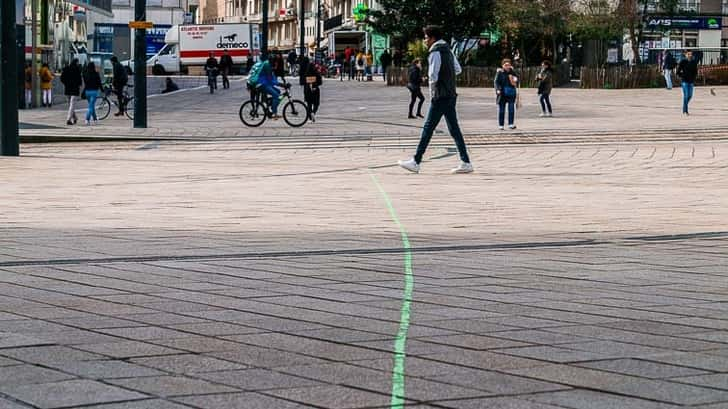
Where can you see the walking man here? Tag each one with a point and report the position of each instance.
(385, 60)
(72, 81)
(443, 68)
(121, 78)
(687, 70)
(226, 66)
(668, 64)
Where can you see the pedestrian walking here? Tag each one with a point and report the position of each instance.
(687, 70)
(361, 64)
(545, 84)
(414, 85)
(72, 79)
(370, 65)
(119, 81)
(28, 86)
(397, 58)
(352, 65)
(279, 66)
(92, 88)
(46, 84)
(385, 60)
(226, 67)
(291, 60)
(311, 81)
(442, 71)
(506, 84)
(668, 65)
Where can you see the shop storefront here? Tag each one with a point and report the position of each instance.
(678, 33)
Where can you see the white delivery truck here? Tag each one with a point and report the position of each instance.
(190, 45)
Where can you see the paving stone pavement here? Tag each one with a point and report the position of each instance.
(241, 274)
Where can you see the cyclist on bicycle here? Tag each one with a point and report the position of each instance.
(119, 81)
(211, 68)
(261, 78)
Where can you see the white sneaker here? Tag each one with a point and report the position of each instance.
(410, 165)
(463, 168)
(511, 127)
(549, 115)
(543, 115)
(86, 122)
(501, 128)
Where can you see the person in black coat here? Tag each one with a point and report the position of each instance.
(226, 66)
(312, 81)
(506, 89)
(92, 89)
(687, 70)
(385, 61)
(71, 79)
(414, 85)
(121, 78)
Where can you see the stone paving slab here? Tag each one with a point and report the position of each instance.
(229, 274)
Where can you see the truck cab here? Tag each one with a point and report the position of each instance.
(167, 60)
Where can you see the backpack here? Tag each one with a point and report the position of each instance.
(360, 61)
(254, 73)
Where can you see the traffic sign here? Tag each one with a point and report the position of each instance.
(141, 25)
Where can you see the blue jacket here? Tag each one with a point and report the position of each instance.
(266, 77)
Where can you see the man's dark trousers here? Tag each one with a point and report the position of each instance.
(439, 108)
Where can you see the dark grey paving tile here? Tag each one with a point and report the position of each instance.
(68, 393)
(645, 369)
(584, 399)
(266, 358)
(199, 344)
(171, 386)
(495, 382)
(49, 355)
(247, 400)
(29, 374)
(718, 381)
(140, 404)
(499, 403)
(259, 379)
(106, 369)
(472, 341)
(334, 396)
(187, 363)
(128, 349)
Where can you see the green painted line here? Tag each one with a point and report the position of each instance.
(400, 342)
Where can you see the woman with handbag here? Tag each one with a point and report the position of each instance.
(311, 81)
(506, 89)
(414, 85)
(545, 85)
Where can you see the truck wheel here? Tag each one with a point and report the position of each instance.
(158, 69)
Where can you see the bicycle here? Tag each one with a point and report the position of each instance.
(255, 111)
(104, 103)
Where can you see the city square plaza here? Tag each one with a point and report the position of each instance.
(202, 264)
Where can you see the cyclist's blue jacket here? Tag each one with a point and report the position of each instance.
(266, 77)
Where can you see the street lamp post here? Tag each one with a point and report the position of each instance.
(302, 16)
(264, 29)
(318, 27)
(9, 140)
(140, 66)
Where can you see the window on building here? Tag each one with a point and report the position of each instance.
(692, 6)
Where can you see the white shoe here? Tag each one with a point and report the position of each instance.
(86, 122)
(501, 128)
(463, 168)
(511, 127)
(549, 115)
(543, 115)
(410, 165)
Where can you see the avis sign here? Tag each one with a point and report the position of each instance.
(685, 23)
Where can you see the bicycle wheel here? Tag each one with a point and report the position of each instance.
(253, 113)
(130, 106)
(103, 108)
(295, 113)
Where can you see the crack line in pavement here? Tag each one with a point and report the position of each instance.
(302, 253)
(400, 342)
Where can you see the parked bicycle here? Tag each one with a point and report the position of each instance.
(256, 110)
(107, 99)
